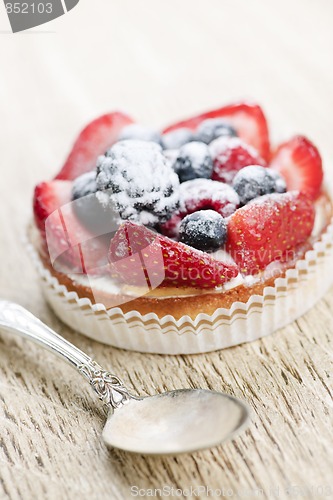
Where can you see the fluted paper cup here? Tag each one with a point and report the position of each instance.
(290, 297)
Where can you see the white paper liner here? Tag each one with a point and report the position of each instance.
(278, 306)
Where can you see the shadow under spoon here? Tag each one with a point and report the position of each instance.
(184, 420)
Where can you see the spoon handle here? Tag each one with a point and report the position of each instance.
(108, 387)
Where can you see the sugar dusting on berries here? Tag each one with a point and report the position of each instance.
(230, 154)
(193, 161)
(205, 230)
(139, 180)
(200, 194)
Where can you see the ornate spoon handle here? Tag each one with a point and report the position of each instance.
(108, 387)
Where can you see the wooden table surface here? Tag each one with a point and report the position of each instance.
(160, 61)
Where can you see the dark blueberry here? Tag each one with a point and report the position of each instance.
(211, 129)
(254, 180)
(177, 138)
(84, 185)
(99, 219)
(193, 161)
(280, 183)
(205, 230)
(140, 133)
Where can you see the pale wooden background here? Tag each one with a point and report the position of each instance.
(160, 61)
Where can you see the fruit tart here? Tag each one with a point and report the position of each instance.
(195, 238)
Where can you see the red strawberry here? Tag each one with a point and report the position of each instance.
(248, 120)
(269, 229)
(231, 155)
(139, 256)
(70, 245)
(93, 141)
(48, 197)
(299, 162)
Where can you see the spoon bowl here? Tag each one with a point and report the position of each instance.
(170, 423)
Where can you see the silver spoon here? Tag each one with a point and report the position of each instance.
(173, 422)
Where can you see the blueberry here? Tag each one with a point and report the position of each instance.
(177, 138)
(254, 180)
(193, 161)
(280, 183)
(211, 129)
(97, 218)
(205, 230)
(140, 133)
(84, 185)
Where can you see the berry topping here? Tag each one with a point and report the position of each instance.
(84, 185)
(269, 229)
(205, 194)
(139, 255)
(231, 155)
(99, 218)
(202, 194)
(170, 228)
(247, 119)
(70, 245)
(177, 138)
(213, 128)
(136, 177)
(299, 162)
(139, 133)
(254, 181)
(48, 197)
(193, 161)
(93, 141)
(205, 230)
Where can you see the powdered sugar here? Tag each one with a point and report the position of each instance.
(217, 196)
(139, 132)
(84, 185)
(193, 161)
(140, 181)
(255, 180)
(230, 154)
(222, 146)
(212, 128)
(177, 138)
(205, 230)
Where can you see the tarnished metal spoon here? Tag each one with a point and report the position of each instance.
(173, 422)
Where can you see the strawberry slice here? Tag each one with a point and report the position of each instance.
(248, 120)
(48, 197)
(93, 141)
(299, 162)
(139, 256)
(72, 248)
(269, 229)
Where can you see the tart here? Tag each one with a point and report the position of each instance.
(187, 240)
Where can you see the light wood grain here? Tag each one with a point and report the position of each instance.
(160, 61)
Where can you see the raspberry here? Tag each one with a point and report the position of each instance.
(201, 194)
(231, 155)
